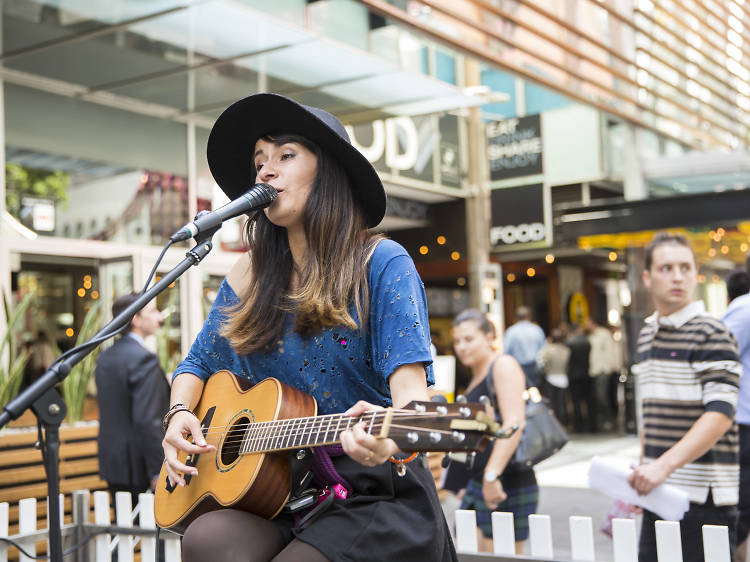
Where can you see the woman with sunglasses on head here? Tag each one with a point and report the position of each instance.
(329, 308)
(495, 486)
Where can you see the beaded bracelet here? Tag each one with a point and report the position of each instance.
(171, 412)
(401, 468)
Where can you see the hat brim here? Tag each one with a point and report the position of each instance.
(233, 137)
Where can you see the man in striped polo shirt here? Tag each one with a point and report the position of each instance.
(688, 374)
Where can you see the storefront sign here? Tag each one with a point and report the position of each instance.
(408, 147)
(38, 214)
(517, 215)
(514, 147)
(406, 208)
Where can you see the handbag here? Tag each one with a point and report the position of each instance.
(542, 436)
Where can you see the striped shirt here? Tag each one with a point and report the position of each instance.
(687, 365)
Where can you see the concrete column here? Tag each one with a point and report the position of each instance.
(634, 184)
(191, 293)
(4, 234)
(478, 203)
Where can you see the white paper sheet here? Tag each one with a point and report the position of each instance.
(611, 478)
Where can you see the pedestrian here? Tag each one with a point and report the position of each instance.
(523, 341)
(581, 389)
(330, 308)
(132, 393)
(493, 486)
(687, 371)
(602, 368)
(738, 284)
(737, 319)
(554, 358)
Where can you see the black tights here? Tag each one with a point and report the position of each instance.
(233, 535)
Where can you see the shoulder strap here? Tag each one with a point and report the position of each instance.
(489, 382)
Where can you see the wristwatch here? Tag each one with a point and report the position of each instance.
(490, 475)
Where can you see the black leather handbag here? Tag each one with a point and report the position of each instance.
(542, 436)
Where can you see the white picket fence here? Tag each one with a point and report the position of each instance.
(122, 536)
(624, 539)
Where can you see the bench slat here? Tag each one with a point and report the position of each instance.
(35, 473)
(68, 485)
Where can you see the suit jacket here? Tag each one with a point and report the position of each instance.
(133, 396)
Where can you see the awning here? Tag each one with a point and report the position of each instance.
(701, 209)
(142, 57)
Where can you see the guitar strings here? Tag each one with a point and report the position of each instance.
(342, 416)
(229, 444)
(282, 433)
(320, 420)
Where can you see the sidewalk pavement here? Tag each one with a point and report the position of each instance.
(564, 491)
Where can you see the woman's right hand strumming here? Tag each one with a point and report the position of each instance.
(186, 391)
(182, 425)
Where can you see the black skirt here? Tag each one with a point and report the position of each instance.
(387, 517)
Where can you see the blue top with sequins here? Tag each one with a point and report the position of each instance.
(338, 366)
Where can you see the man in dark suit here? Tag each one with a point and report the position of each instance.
(133, 395)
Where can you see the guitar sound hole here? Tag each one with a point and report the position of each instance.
(230, 452)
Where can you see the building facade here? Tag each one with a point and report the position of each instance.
(493, 125)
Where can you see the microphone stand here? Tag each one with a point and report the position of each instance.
(48, 406)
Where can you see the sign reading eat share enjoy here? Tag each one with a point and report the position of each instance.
(517, 215)
(514, 147)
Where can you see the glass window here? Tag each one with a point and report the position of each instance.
(168, 338)
(70, 162)
(211, 284)
(62, 295)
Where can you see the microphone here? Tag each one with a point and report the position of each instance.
(261, 195)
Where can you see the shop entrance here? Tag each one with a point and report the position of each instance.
(533, 293)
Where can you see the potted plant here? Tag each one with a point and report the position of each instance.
(75, 385)
(12, 361)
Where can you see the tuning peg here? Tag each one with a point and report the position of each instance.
(420, 408)
(458, 436)
(412, 437)
(484, 400)
(465, 412)
(442, 410)
(461, 399)
(435, 437)
(470, 458)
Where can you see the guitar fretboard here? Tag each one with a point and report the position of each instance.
(317, 431)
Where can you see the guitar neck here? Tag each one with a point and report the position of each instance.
(316, 431)
(449, 427)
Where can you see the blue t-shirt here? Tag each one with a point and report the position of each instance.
(737, 319)
(337, 366)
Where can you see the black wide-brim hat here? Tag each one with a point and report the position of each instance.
(232, 142)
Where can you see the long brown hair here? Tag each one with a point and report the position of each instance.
(334, 273)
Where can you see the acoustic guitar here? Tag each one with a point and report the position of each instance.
(251, 427)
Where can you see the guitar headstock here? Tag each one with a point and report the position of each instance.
(435, 426)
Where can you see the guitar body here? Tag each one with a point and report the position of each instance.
(257, 483)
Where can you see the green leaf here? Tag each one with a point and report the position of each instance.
(11, 320)
(11, 370)
(75, 385)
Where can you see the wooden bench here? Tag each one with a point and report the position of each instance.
(22, 473)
